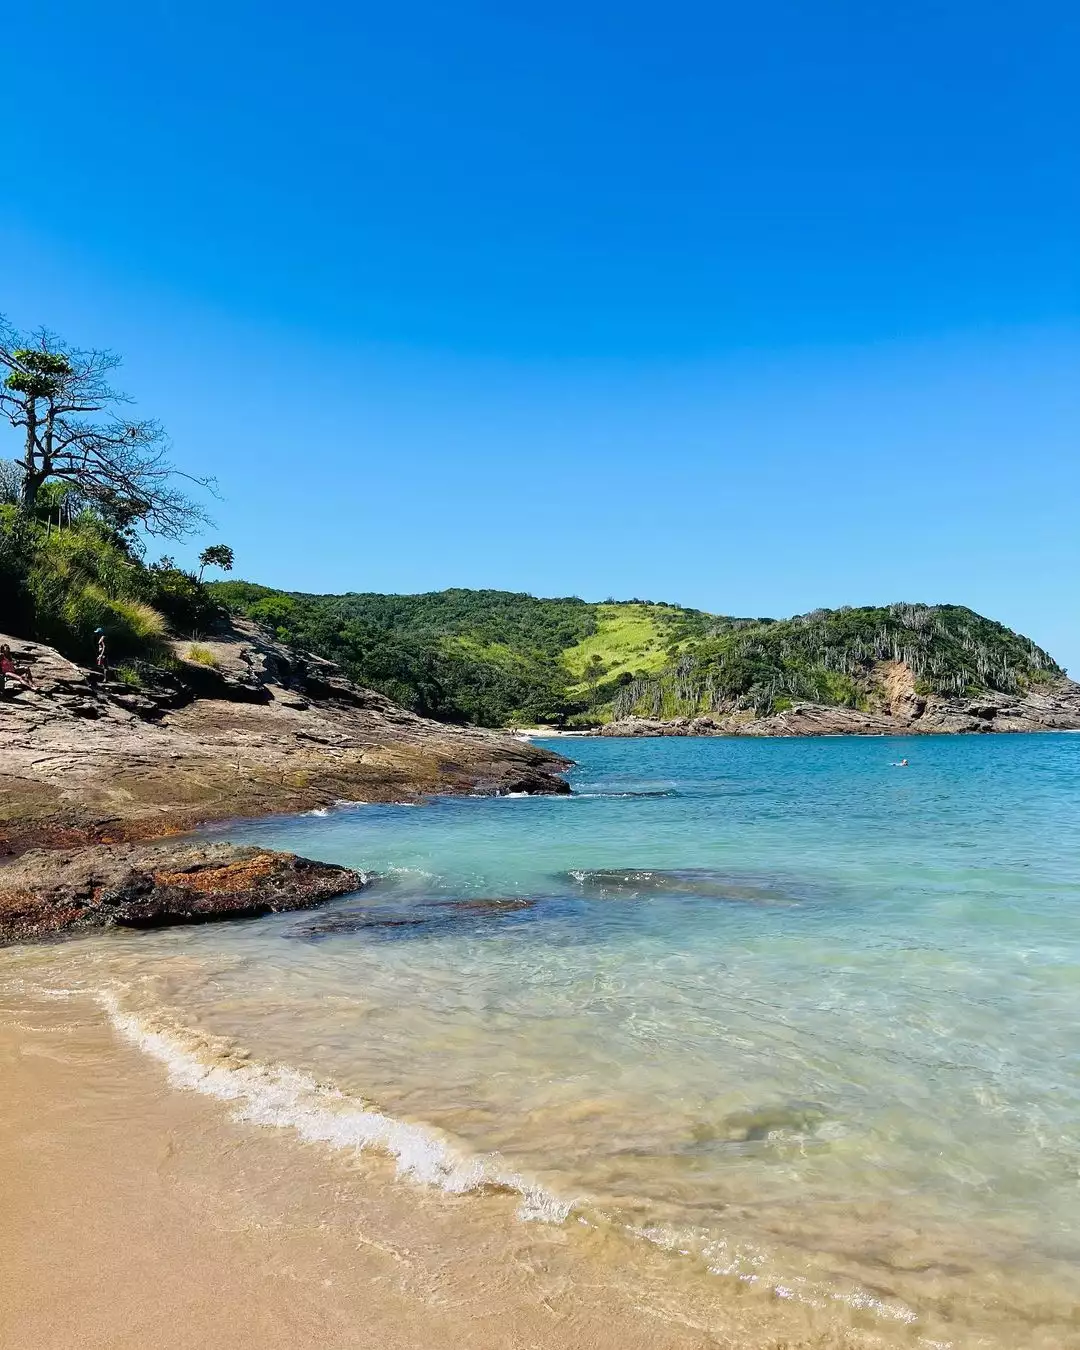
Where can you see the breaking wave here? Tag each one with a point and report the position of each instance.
(280, 1097)
(285, 1098)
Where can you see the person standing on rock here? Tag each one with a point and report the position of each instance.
(102, 665)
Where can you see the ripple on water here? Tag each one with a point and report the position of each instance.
(706, 882)
(425, 916)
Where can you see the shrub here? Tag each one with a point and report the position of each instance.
(201, 655)
(130, 626)
(60, 582)
(182, 598)
(16, 545)
(238, 595)
(274, 610)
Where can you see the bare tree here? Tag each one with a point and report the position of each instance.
(60, 398)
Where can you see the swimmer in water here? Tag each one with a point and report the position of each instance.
(899, 764)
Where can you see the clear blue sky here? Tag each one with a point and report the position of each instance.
(751, 307)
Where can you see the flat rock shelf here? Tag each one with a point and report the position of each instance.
(260, 731)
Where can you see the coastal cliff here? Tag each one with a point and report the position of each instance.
(240, 726)
(895, 708)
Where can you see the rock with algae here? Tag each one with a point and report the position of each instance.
(51, 891)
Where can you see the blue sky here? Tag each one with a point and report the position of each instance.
(755, 308)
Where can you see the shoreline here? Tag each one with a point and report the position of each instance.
(253, 735)
(72, 828)
(908, 714)
(86, 763)
(143, 1215)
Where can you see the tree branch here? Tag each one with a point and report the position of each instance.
(120, 465)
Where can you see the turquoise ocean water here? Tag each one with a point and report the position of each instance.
(808, 1021)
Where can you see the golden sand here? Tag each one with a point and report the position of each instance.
(136, 1215)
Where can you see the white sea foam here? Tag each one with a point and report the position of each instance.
(273, 1095)
(611, 796)
(744, 1262)
(341, 804)
(285, 1098)
(16, 986)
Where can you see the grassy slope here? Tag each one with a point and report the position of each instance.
(499, 654)
(629, 638)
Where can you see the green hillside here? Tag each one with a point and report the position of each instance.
(834, 657)
(633, 638)
(498, 658)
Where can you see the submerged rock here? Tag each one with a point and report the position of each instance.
(483, 905)
(50, 891)
(701, 881)
(757, 1124)
(399, 922)
(336, 925)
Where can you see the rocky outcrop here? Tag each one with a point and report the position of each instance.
(902, 713)
(50, 891)
(240, 727)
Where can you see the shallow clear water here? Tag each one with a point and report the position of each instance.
(822, 1039)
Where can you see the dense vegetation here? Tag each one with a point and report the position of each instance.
(66, 570)
(90, 485)
(487, 657)
(492, 657)
(496, 657)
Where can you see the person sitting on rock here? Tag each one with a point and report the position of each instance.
(9, 671)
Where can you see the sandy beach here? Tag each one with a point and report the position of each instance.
(137, 1215)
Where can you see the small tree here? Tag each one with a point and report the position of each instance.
(215, 555)
(594, 669)
(52, 394)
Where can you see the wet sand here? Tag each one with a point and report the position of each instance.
(136, 1215)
